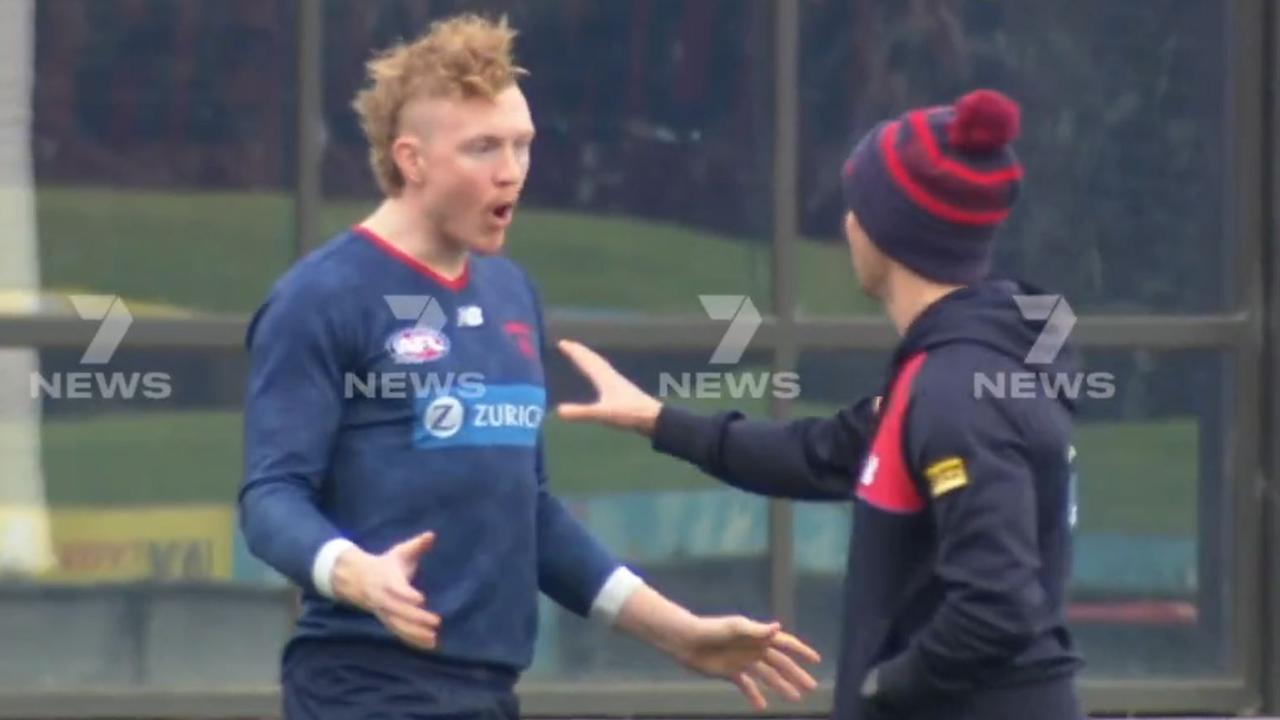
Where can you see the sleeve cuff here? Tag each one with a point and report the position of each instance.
(322, 567)
(683, 434)
(614, 594)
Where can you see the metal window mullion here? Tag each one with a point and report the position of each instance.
(786, 47)
(1244, 201)
(1268, 565)
(641, 333)
(309, 125)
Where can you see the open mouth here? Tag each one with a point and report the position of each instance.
(502, 213)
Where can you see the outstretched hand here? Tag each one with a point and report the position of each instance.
(747, 653)
(619, 403)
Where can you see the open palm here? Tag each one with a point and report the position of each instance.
(619, 403)
(746, 652)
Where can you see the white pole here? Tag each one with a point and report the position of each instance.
(25, 544)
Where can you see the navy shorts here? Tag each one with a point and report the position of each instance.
(370, 680)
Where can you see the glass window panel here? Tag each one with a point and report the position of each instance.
(161, 152)
(829, 380)
(118, 525)
(1125, 109)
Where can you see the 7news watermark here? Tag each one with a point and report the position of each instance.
(114, 321)
(415, 348)
(1028, 384)
(744, 319)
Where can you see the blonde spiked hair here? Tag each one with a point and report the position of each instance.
(461, 57)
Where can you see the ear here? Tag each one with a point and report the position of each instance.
(406, 153)
(851, 227)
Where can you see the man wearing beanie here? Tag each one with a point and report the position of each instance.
(963, 489)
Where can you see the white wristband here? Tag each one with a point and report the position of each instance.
(613, 595)
(322, 568)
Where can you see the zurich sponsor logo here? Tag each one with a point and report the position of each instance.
(416, 345)
(443, 417)
(509, 415)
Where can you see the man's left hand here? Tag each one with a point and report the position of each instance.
(746, 652)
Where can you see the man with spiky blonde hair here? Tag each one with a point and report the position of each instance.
(393, 444)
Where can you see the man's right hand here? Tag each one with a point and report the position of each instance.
(381, 585)
(619, 403)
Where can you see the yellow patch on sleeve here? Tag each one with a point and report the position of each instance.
(946, 475)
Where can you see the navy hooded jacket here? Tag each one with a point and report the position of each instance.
(963, 487)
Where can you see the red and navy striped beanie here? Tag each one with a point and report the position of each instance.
(931, 187)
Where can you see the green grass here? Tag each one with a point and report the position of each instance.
(143, 459)
(215, 252)
(219, 252)
(194, 457)
(1136, 477)
(1140, 476)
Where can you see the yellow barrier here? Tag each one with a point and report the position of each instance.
(191, 542)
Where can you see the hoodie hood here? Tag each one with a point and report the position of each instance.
(989, 314)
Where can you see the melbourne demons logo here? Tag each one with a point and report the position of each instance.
(522, 335)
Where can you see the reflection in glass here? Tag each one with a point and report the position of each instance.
(1120, 114)
(162, 143)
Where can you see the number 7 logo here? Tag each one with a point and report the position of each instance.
(744, 321)
(1059, 320)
